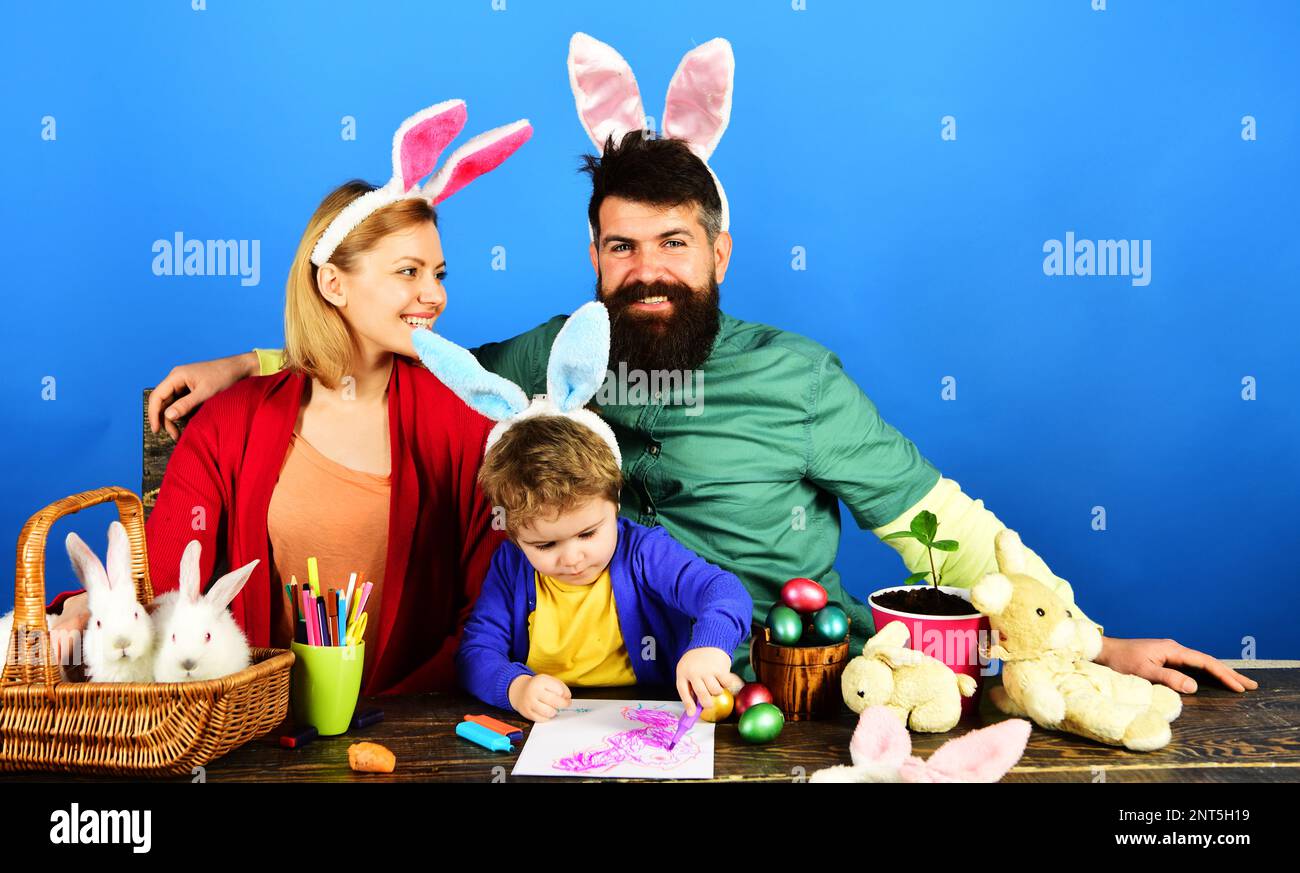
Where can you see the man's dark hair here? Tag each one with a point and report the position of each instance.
(661, 172)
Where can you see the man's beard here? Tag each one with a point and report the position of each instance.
(649, 341)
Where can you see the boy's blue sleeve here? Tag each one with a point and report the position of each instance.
(483, 663)
(716, 599)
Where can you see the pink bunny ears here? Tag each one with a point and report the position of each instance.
(881, 750)
(417, 145)
(697, 110)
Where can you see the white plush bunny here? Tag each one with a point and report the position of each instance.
(197, 637)
(697, 109)
(118, 642)
(574, 373)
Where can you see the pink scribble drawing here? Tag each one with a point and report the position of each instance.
(646, 746)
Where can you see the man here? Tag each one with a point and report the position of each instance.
(757, 433)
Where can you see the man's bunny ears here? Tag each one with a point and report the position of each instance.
(697, 110)
(418, 143)
(575, 372)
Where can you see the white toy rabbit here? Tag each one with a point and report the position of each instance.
(118, 642)
(197, 637)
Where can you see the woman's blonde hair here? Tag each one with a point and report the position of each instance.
(317, 340)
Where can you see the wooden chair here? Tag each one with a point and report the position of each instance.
(157, 451)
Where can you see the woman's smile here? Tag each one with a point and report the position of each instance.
(420, 321)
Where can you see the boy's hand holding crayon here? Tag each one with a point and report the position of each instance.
(704, 673)
(538, 698)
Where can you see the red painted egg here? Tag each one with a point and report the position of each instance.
(803, 595)
(752, 693)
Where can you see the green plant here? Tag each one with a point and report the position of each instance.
(924, 528)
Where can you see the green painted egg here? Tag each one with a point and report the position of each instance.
(761, 723)
(785, 624)
(830, 625)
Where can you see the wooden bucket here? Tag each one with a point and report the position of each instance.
(804, 680)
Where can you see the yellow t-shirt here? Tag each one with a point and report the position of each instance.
(573, 634)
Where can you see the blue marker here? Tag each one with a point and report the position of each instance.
(488, 739)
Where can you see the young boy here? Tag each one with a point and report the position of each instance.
(578, 595)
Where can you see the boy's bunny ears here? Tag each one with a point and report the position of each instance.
(418, 143)
(697, 109)
(576, 370)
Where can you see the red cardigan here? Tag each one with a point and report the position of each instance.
(440, 536)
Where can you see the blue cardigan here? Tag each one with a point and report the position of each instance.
(664, 594)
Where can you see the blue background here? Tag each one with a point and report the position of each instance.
(924, 257)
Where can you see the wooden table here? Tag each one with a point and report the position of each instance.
(1220, 737)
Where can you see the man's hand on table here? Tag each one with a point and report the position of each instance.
(1153, 659)
(203, 380)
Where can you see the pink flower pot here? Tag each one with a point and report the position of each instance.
(953, 639)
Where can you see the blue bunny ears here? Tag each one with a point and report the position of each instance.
(574, 373)
(579, 357)
(496, 397)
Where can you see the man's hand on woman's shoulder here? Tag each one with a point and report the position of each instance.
(201, 380)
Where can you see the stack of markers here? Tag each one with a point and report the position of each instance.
(333, 617)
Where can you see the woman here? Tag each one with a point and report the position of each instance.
(353, 454)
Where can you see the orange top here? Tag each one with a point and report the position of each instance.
(338, 515)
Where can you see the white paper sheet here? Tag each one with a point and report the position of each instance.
(617, 739)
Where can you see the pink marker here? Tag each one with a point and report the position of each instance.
(309, 613)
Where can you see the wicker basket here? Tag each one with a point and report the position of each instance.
(123, 729)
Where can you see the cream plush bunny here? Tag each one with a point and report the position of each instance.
(1048, 673)
(920, 690)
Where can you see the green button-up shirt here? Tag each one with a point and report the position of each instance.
(745, 463)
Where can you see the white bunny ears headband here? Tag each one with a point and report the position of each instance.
(697, 109)
(417, 145)
(575, 371)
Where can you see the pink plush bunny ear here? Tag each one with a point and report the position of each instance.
(879, 740)
(419, 142)
(482, 154)
(984, 755)
(609, 103)
(698, 108)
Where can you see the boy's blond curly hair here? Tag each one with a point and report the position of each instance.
(547, 465)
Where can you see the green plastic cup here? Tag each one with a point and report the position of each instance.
(325, 686)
